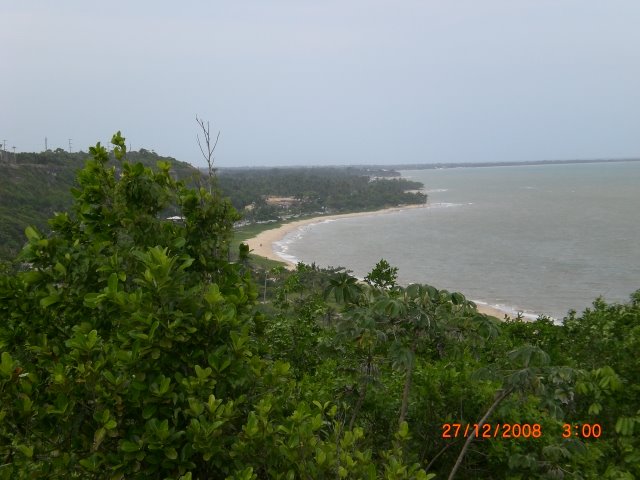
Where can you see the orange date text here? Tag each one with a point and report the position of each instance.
(488, 430)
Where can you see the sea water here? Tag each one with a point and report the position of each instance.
(535, 239)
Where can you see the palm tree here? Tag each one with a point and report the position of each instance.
(344, 288)
(367, 332)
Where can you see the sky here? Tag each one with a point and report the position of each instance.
(331, 82)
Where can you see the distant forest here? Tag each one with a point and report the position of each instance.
(33, 186)
(315, 190)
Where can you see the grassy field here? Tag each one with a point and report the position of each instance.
(244, 233)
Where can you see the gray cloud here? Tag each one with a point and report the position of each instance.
(302, 82)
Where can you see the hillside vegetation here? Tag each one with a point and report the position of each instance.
(130, 347)
(315, 190)
(33, 186)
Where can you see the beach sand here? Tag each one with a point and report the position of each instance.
(492, 311)
(262, 244)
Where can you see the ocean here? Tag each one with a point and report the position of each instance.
(538, 239)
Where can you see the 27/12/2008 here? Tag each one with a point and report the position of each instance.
(487, 430)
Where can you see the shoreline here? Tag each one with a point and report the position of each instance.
(262, 244)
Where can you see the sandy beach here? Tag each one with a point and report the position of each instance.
(262, 244)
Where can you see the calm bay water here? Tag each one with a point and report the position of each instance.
(537, 239)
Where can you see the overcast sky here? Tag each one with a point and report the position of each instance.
(326, 82)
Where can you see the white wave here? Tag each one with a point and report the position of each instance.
(437, 190)
(281, 248)
(512, 311)
(444, 205)
(288, 258)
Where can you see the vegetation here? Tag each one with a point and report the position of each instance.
(33, 186)
(130, 347)
(315, 190)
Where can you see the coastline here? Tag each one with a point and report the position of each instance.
(262, 244)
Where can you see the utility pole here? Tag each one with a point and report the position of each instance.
(45, 144)
(69, 145)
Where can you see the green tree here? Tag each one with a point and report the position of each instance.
(131, 330)
(383, 275)
(343, 288)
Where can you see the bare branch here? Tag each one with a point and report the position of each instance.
(207, 150)
(499, 398)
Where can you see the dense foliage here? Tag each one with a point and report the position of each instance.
(33, 186)
(313, 190)
(130, 347)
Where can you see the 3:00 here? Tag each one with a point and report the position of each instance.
(586, 430)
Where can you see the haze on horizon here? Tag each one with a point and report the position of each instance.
(325, 83)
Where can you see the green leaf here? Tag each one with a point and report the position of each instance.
(203, 373)
(212, 295)
(153, 328)
(457, 298)
(50, 300)
(403, 431)
(25, 450)
(113, 283)
(6, 365)
(251, 428)
(149, 411)
(195, 406)
(91, 339)
(595, 408)
(101, 416)
(32, 276)
(92, 463)
(160, 386)
(31, 233)
(129, 447)
(110, 377)
(27, 404)
(625, 426)
(60, 268)
(98, 437)
(171, 453)
(186, 263)
(92, 300)
(179, 242)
